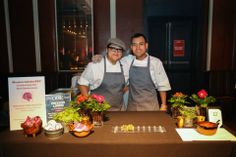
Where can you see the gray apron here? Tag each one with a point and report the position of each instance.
(111, 88)
(142, 92)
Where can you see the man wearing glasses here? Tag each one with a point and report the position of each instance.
(106, 77)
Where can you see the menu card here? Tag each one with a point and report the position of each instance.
(56, 103)
(26, 98)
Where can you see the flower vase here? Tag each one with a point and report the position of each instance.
(86, 120)
(180, 121)
(66, 127)
(84, 112)
(201, 111)
(97, 119)
(188, 122)
(175, 112)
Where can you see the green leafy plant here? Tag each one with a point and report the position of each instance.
(188, 112)
(202, 99)
(179, 100)
(68, 115)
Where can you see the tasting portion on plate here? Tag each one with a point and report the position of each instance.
(207, 128)
(80, 129)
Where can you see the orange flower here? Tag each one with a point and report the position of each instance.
(81, 98)
(178, 94)
(179, 99)
(91, 102)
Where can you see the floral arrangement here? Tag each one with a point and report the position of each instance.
(94, 102)
(68, 115)
(179, 99)
(202, 98)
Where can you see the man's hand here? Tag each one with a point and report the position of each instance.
(163, 107)
(97, 58)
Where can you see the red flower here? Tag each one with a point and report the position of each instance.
(202, 94)
(92, 102)
(99, 98)
(202, 98)
(94, 96)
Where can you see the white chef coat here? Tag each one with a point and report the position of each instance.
(157, 71)
(93, 74)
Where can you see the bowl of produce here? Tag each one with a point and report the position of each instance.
(53, 130)
(207, 128)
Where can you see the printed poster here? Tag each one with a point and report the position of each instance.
(56, 103)
(26, 98)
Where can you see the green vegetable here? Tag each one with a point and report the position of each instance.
(68, 115)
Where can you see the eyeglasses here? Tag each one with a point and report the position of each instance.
(115, 50)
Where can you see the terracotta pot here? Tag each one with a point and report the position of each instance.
(32, 131)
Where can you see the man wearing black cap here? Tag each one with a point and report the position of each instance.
(106, 77)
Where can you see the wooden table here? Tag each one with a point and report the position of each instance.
(103, 142)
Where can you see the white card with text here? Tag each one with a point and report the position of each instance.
(215, 115)
(26, 98)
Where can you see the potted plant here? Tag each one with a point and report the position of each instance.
(188, 113)
(81, 103)
(96, 104)
(202, 101)
(178, 101)
(67, 116)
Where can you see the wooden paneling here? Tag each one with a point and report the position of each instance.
(101, 24)
(22, 35)
(204, 34)
(3, 41)
(130, 18)
(221, 83)
(234, 53)
(222, 35)
(47, 31)
(222, 74)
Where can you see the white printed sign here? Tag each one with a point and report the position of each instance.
(26, 98)
(215, 115)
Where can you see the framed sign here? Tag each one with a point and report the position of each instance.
(26, 98)
(215, 115)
